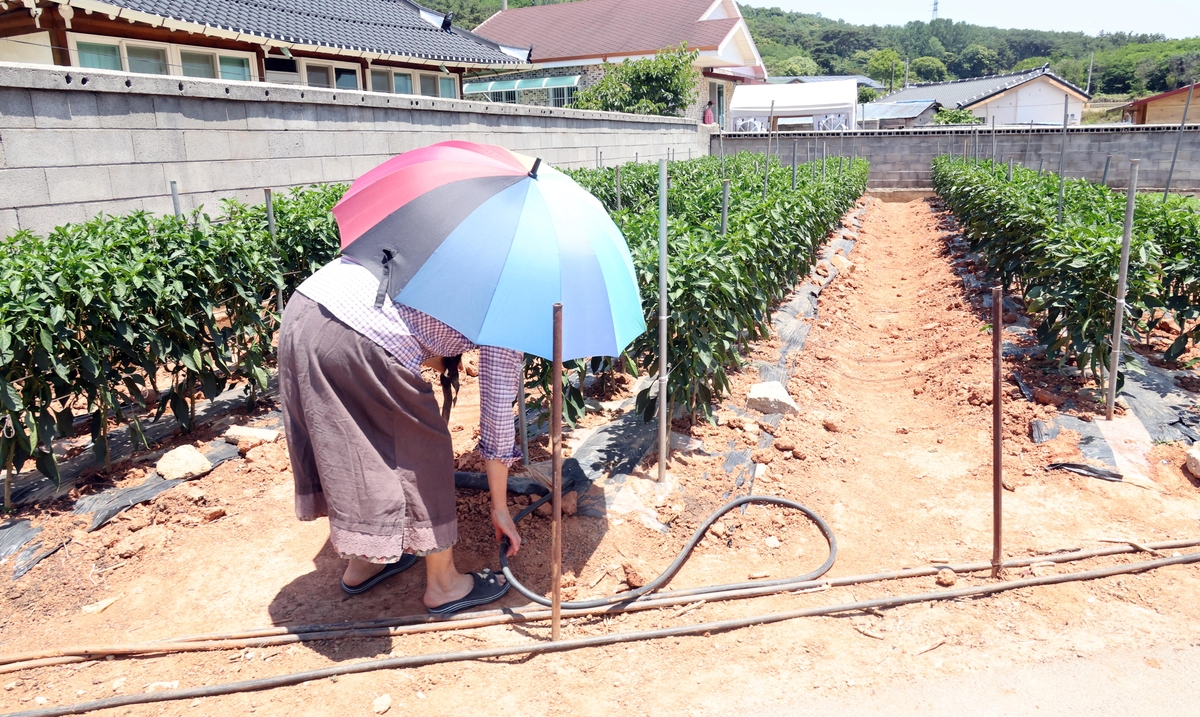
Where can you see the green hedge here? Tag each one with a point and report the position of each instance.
(94, 310)
(1069, 272)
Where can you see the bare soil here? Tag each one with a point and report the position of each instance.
(892, 447)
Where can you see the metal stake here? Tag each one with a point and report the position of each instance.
(724, 205)
(1114, 361)
(1062, 160)
(794, 144)
(1028, 141)
(1178, 139)
(1041, 162)
(1010, 165)
(663, 414)
(618, 182)
(993, 138)
(523, 423)
(1104, 178)
(997, 431)
(270, 203)
(556, 448)
(175, 198)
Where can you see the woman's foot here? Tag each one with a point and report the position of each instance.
(361, 576)
(360, 571)
(444, 584)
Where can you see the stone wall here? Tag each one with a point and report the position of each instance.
(900, 159)
(76, 142)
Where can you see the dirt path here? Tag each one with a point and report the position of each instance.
(896, 366)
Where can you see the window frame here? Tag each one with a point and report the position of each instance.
(302, 64)
(568, 96)
(173, 50)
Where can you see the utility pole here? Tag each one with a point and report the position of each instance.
(892, 82)
(935, 2)
(906, 73)
(1091, 64)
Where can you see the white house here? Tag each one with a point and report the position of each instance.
(1035, 96)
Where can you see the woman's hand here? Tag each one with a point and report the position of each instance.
(497, 474)
(505, 527)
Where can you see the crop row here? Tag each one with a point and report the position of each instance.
(105, 317)
(721, 288)
(1069, 271)
(95, 316)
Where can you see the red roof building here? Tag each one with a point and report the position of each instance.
(573, 41)
(1165, 108)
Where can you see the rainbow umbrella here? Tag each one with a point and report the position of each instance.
(487, 241)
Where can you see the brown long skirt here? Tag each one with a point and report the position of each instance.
(368, 444)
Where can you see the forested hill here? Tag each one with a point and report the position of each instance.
(944, 49)
(795, 43)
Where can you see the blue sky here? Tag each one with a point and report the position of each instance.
(1173, 18)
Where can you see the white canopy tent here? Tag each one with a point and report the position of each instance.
(832, 105)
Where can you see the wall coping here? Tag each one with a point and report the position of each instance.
(954, 130)
(77, 79)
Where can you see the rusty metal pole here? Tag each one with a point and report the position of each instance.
(1114, 362)
(1104, 178)
(724, 206)
(1062, 160)
(522, 418)
(997, 430)
(618, 183)
(556, 440)
(1178, 139)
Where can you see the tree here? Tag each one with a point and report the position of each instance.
(928, 69)
(882, 64)
(976, 61)
(945, 116)
(797, 66)
(866, 94)
(661, 85)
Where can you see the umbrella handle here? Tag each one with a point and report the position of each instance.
(385, 280)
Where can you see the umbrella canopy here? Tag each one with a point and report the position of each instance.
(487, 241)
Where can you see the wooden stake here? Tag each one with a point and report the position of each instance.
(556, 441)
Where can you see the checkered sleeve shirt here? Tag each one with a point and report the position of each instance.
(347, 290)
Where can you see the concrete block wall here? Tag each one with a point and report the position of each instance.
(75, 143)
(900, 159)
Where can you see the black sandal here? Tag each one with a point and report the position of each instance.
(487, 589)
(404, 563)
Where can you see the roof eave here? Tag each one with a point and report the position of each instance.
(135, 16)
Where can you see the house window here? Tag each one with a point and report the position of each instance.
(380, 82)
(402, 82)
(508, 97)
(282, 70)
(345, 78)
(561, 96)
(109, 53)
(429, 85)
(447, 87)
(98, 56)
(317, 75)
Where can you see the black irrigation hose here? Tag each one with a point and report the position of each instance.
(681, 558)
(296, 678)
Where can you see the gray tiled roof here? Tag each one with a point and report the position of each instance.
(393, 27)
(893, 110)
(964, 93)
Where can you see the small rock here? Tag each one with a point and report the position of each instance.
(842, 264)
(248, 444)
(182, 463)
(751, 428)
(40, 700)
(1047, 397)
(763, 455)
(831, 425)
(772, 542)
(570, 503)
(11, 686)
(235, 434)
(633, 576)
(979, 396)
(946, 577)
(172, 685)
(1193, 461)
(799, 454)
(902, 430)
(193, 493)
(118, 684)
(766, 427)
(1009, 317)
(211, 515)
(760, 471)
(382, 704)
(718, 529)
(783, 444)
(771, 397)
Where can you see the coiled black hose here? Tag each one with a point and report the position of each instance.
(680, 559)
